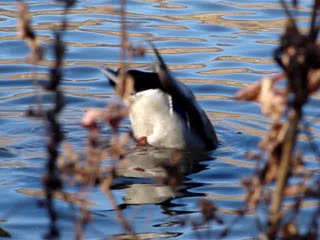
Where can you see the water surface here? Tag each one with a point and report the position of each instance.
(215, 47)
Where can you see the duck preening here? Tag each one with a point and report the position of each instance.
(163, 111)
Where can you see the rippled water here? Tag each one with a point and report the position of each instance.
(215, 47)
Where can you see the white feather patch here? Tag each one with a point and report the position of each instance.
(152, 116)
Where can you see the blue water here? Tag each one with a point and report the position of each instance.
(215, 47)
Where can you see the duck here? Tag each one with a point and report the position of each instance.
(163, 111)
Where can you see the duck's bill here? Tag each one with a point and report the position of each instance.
(111, 75)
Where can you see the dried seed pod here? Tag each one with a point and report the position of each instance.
(208, 211)
(290, 231)
(139, 51)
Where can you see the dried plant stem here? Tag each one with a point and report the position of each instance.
(283, 174)
(53, 230)
(84, 217)
(124, 46)
(106, 188)
(289, 15)
(123, 32)
(313, 32)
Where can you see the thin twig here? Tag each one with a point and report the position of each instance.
(106, 188)
(121, 87)
(286, 9)
(313, 31)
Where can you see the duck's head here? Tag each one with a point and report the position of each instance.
(136, 80)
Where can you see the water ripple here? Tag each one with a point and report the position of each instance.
(215, 47)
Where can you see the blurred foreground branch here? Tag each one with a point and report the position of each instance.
(298, 55)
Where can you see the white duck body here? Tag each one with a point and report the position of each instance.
(152, 116)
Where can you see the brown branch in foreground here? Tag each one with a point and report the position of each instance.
(121, 87)
(25, 31)
(283, 174)
(106, 188)
(298, 55)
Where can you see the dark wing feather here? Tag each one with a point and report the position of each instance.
(182, 95)
(144, 80)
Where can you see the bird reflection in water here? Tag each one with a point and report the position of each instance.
(155, 175)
